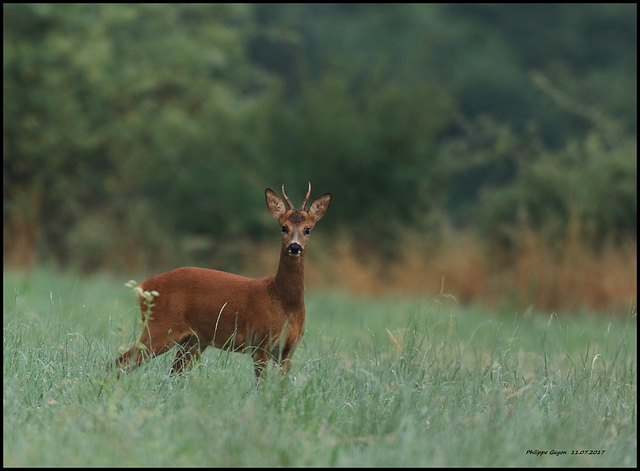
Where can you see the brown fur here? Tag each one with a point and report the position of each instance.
(198, 307)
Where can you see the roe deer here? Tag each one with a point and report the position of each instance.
(198, 307)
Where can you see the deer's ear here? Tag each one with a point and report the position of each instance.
(319, 207)
(275, 204)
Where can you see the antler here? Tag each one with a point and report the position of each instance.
(286, 198)
(306, 200)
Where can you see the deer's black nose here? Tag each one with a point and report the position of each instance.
(294, 249)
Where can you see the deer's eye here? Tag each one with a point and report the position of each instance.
(285, 229)
(307, 230)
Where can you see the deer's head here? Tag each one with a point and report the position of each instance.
(296, 225)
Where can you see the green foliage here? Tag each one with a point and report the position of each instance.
(129, 126)
(587, 183)
(492, 48)
(375, 151)
(378, 382)
(111, 104)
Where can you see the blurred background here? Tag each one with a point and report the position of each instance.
(485, 152)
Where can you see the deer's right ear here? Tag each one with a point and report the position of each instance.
(275, 204)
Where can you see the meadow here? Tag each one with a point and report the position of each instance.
(389, 381)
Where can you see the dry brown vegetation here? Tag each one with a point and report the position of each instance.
(571, 276)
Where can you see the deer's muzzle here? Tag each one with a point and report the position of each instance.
(294, 249)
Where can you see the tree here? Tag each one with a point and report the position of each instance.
(109, 107)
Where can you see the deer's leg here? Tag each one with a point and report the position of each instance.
(124, 362)
(285, 361)
(149, 345)
(189, 350)
(133, 357)
(285, 355)
(260, 361)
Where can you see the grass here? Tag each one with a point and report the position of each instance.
(376, 382)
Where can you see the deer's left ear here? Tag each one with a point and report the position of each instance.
(319, 207)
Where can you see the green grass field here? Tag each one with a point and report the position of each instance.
(376, 382)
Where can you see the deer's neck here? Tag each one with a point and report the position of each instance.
(288, 284)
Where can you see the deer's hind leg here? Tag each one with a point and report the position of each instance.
(189, 349)
(148, 345)
(285, 360)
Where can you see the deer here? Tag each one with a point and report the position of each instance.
(193, 308)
